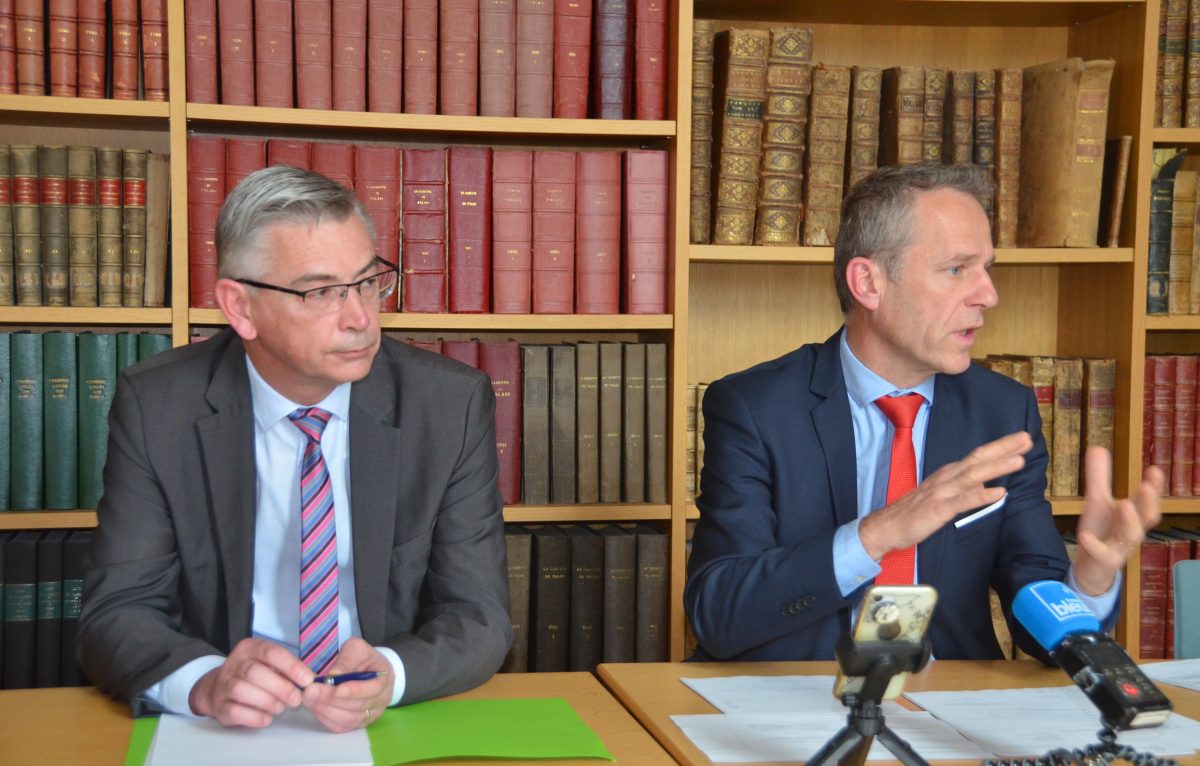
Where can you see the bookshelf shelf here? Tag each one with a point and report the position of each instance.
(1181, 505)
(1176, 135)
(47, 520)
(971, 13)
(1173, 323)
(1039, 256)
(573, 514)
(1066, 506)
(94, 107)
(488, 322)
(40, 315)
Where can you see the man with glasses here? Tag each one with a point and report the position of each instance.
(297, 497)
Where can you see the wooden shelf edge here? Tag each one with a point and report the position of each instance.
(1046, 256)
(34, 315)
(1173, 323)
(1181, 505)
(465, 322)
(553, 514)
(1175, 135)
(95, 107)
(47, 519)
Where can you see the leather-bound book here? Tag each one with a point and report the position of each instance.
(60, 440)
(650, 59)
(958, 126)
(1163, 413)
(1158, 73)
(633, 423)
(902, 118)
(1042, 376)
(27, 225)
(74, 549)
(20, 609)
(518, 542)
(1183, 217)
(134, 164)
(158, 215)
(1068, 395)
(8, 293)
(535, 427)
(550, 600)
(470, 229)
(6, 395)
(1183, 427)
(31, 46)
(420, 56)
(598, 233)
(314, 53)
(789, 83)
(985, 126)
(1153, 577)
(1158, 257)
(512, 231)
(458, 58)
(700, 209)
(236, 37)
(1173, 62)
(200, 26)
(612, 60)
(653, 615)
(296, 154)
(497, 58)
(1148, 411)
(206, 194)
(535, 58)
(350, 55)
(243, 156)
(935, 111)
(656, 423)
(97, 384)
(611, 387)
(586, 639)
(273, 54)
(423, 207)
(572, 57)
(52, 168)
(501, 360)
(1064, 118)
(620, 594)
(151, 343)
(553, 232)
(82, 222)
(824, 170)
(63, 35)
(645, 275)
(740, 90)
(109, 246)
(8, 47)
(126, 64)
(587, 422)
(28, 414)
(433, 346)
(465, 351)
(1191, 87)
(1008, 157)
(1112, 201)
(334, 161)
(154, 50)
(377, 184)
(562, 424)
(862, 130)
(385, 55)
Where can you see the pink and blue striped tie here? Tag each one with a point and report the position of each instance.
(318, 547)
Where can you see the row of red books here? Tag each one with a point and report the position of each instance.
(482, 231)
(1169, 420)
(85, 48)
(501, 58)
(1160, 551)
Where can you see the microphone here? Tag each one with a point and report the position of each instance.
(1064, 626)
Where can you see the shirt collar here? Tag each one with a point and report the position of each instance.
(270, 406)
(864, 386)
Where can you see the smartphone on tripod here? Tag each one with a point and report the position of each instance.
(890, 613)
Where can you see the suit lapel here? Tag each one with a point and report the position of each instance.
(943, 444)
(831, 419)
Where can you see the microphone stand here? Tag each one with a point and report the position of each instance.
(877, 662)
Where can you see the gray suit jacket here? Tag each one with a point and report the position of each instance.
(170, 570)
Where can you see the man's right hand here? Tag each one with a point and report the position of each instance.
(258, 681)
(952, 489)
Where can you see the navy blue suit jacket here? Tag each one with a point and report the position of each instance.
(779, 478)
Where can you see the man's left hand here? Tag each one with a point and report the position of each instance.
(354, 704)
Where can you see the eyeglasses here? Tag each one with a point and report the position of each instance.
(330, 298)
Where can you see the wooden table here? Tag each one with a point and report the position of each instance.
(80, 727)
(653, 691)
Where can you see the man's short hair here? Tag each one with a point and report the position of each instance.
(276, 195)
(876, 218)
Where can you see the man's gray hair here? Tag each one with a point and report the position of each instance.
(276, 195)
(877, 221)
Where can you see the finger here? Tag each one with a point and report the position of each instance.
(1097, 466)
(1017, 443)
(340, 719)
(1111, 554)
(268, 680)
(234, 714)
(284, 663)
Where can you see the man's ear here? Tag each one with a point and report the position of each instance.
(234, 300)
(866, 281)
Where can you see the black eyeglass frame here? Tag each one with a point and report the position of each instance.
(357, 285)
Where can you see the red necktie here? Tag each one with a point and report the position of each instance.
(897, 565)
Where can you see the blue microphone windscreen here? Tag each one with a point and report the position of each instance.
(1051, 611)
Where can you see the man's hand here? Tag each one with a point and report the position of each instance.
(258, 681)
(952, 489)
(1109, 530)
(354, 704)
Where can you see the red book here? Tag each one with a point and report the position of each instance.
(598, 233)
(465, 351)
(200, 27)
(335, 162)
(572, 57)
(385, 55)
(206, 193)
(64, 48)
(154, 50)
(459, 57)
(350, 55)
(243, 156)
(502, 363)
(1183, 429)
(420, 56)
(535, 58)
(31, 51)
(553, 232)
(645, 231)
(1147, 407)
(93, 48)
(314, 53)
(1148, 425)
(423, 206)
(297, 154)
(470, 225)
(1154, 578)
(512, 231)
(650, 59)
(273, 53)
(612, 62)
(236, 26)
(377, 184)
(497, 58)
(1178, 549)
(8, 46)
(1164, 413)
(429, 345)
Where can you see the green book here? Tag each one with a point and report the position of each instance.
(127, 350)
(150, 343)
(97, 384)
(5, 418)
(60, 440)
(48, 628)
(26, 429)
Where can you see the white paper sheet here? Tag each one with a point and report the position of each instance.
(293, 739)
(774, 694)
(1184, 673)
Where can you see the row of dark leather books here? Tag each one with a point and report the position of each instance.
(1160, 551)
(1169, 437)
(1177, 78)
(84, 48)
(500, 58)
(473, 230)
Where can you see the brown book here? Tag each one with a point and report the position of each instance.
(518, 546)
(1183, 225)
(1158, 69)
(1191, 95)
(512, 231)
(1153, 576)
(553, 232)
(27, 225)
(1112, 201)
(586, 641)
(313, 21)
(789, 82)
(236, 37)
(935, 111)
(82, 222)
(656, 423)
(206, 193)
(273, 54)
(1099, 388)
(31, 46)
(1042, 375)
(8, 293)
(535, 58)
(587, 422)
(550, 613)
(611, 415)
(8, 47)
(612, 59)
(423, 219)
(598, 233)
(385, 55)
(109, 246)
(1173, 58)
(572, 57)
(700, 209)
(470, 229)
(1068, 395)
(56, 259)
(125, 60)
(535, 424)
(1065, 113)
(154, 50)
(902, 116)
(63, 33)
(501, 360)
(497, 58)
(243, 156)
(650, 59)
(701, 390)
(690, 436)
(862, 131)
(458, 60)
(1163, 412)
(133, 226)
(633, 425)
(740, 90)
(620, 594)
(1183, 427)
(1148, 410)
(1008, 156)
(645, 289)
(562, 424)
(985, 126)
(958, 124)
(420, 56)
(825, 158)
(653, 556)
(200, 25)
(158, 246)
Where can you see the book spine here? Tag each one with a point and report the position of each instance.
(700, 209)
(63, 34)
(646, 197)
(465, 351)
(497, 58)
(74, 549)
(612, 60)
(587, 424)
(985, 121)
(535, 428)
(377, 184)
(236, 38)
(108, 229)
(6, 394)
(572, 57)
(1087, 164)
(350, 55)
(598, 233)
(206, 194)
(60, 441)
(585, 643)
(562, 424)
(158, 205)
(82, 222)
(501, 360)
(27, 225)
(862, 150)
(26, 493)
(8, 47)
(154, 50)
(789, 82)
(1158, 256)
(52, 190)
(420, 56)
(20, 609)
(934, 117)
(335, 161)
(610, 422)
(1183, 427)
(633, 423)
(133, 226)
(1174, 67)
(902, 122)
(97, 384)
(151, 343)
(650, 59)
(1163, 417)
(458, 59)
(620, 594)
(201, 44)
(385, 55)
(1179, 265)
(740, 72)
(470, 229)
(824, 169)
(535, 58)
(273, 54)
(1116, 158)
(243, 156)
(1099, 386)
(313, 22)
(296, 154)
(31, 47)
(656, 423)
(1068, 395)
(958, 134)
(517, 543)
(423, 209)
(1042, 375)
(125, 42)
(1008, 156)
(1191, 100)
(553, 232)
(8, 292)
(653, 548)
(550, 600)
(1153, 598)
(512, 232)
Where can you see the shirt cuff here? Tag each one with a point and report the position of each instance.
(852, 565)
(397, 673)
(1103, 605)
(172, 692)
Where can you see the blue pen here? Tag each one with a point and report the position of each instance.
(341, 678)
